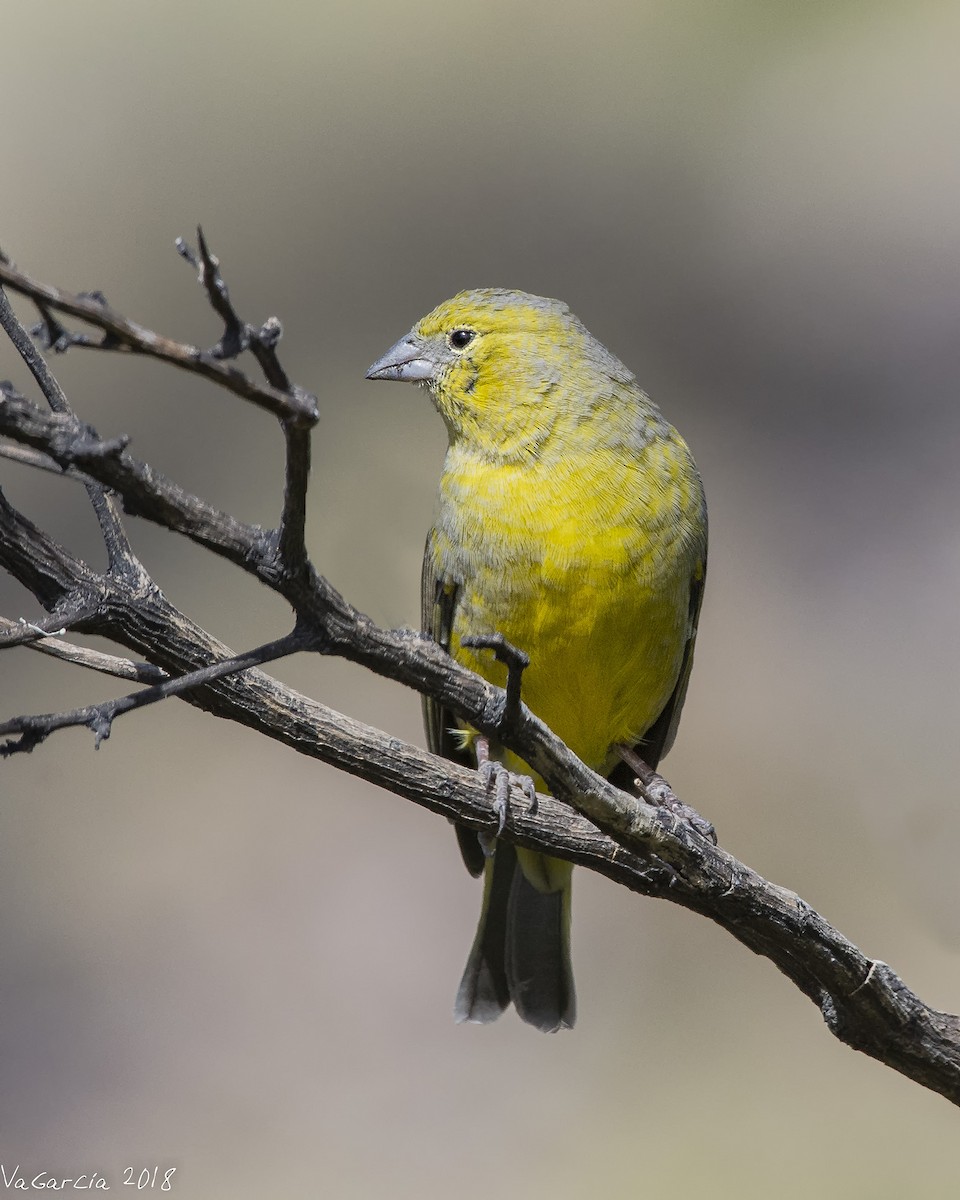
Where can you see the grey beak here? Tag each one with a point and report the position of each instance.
(405, 361)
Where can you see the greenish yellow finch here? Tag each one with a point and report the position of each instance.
(572, 521)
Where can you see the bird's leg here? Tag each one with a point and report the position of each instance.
(515, 660)
(495, 774)
(656, 791)
(496, 778)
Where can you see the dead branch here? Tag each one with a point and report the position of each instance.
(651, 847)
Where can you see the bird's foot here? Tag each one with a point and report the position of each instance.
(515, 660)
(656, 791)
(499, 780)
(659, 793)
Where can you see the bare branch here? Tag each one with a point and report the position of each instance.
(238, 336)
(38, 460)
(337, 627)
(33, 730)
(145, 492)
(119, 553)
(26, 633)
(126, 336)
(292, 547)
(863, 1002)
(81, 656)
(653, 849)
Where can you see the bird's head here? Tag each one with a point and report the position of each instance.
(505, 369)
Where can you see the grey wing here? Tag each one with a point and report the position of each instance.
(658, 739)
(438, 602)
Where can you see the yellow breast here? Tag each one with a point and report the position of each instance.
(585, 563)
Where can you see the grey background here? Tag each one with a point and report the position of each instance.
(219, 956)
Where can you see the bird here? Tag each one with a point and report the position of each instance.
(571, 521)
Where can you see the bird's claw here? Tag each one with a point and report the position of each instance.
(661, 794)
(497, 778)
(704, 827)
(653, 788)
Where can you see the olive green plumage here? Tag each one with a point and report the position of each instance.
(571, 520)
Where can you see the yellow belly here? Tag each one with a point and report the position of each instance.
(586, 567)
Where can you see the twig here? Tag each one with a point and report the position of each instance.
(82, 656)
(292, 546)
(39, 461)
(33, 730)
(295, 407)
(145, 492)
(119, 553)
(36, 363)
(239, 335)
(126, 336)
(234, 339)
(24, 633)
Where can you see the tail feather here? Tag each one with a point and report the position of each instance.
(521, 951)
(539, 971)
(484, 992)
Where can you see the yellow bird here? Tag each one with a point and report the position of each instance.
(572, 521)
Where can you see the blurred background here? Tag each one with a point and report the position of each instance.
(222, 957)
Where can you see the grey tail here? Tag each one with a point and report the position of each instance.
(521, 951)
(539, 971)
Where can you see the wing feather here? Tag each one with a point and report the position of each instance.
(658, 739)
(438, 602)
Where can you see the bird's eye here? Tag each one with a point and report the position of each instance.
(461, 338)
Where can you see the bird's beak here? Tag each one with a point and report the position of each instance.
(405, 360)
